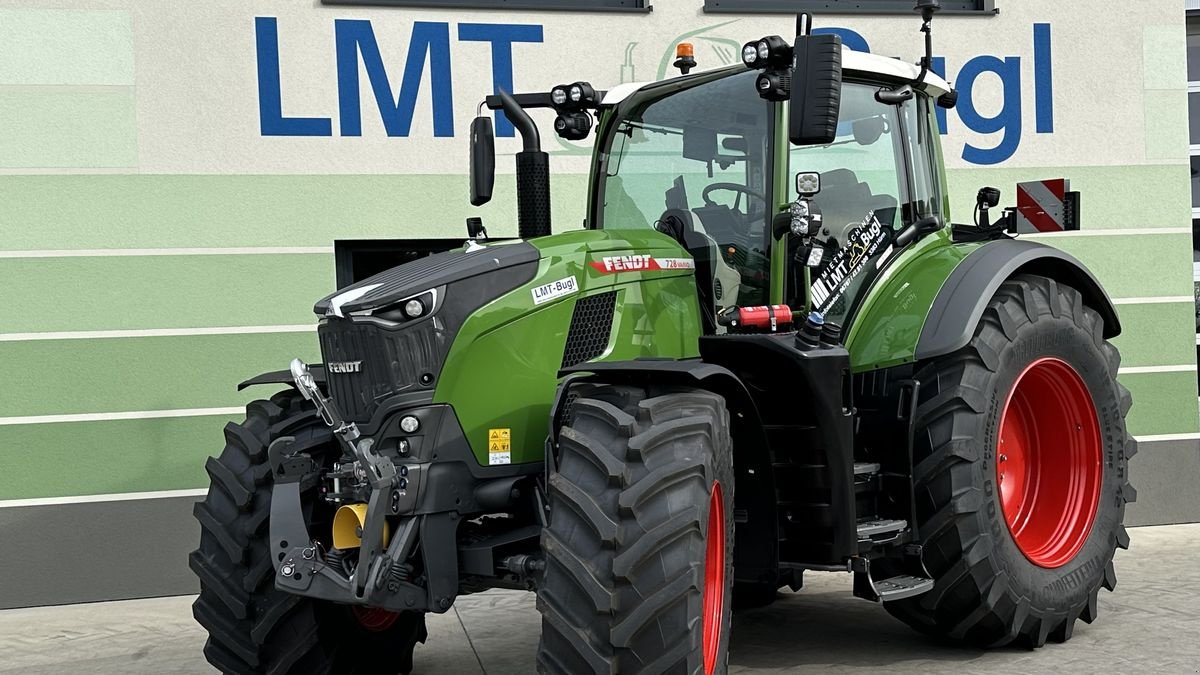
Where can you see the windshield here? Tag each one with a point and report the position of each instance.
(695, 164)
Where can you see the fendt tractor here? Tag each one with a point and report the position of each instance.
(766, 353)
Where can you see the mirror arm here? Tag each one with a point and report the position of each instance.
(914, 232)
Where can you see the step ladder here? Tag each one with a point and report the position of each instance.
(912, 581)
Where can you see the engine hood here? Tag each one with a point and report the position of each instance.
(418, 276)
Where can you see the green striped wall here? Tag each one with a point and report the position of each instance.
(136, 292)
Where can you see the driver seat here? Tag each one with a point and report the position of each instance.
(844, 202)
(717, 284)
(722, 224)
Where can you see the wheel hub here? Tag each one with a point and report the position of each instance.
(1048, 462)
(374, 619)
(714, 579)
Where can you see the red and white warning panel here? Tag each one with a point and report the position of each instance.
(1046, 206)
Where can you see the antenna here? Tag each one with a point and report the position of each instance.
(803, 25)
(927, 8)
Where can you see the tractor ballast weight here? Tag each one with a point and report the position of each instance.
(692, 401)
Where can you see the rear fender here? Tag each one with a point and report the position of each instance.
(756, 553)
(929, 302)
(965, 295)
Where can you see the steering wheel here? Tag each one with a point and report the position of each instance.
(732, 187)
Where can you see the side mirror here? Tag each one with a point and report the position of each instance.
(816, 99)
(483, 161)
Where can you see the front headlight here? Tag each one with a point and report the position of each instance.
(409, 309)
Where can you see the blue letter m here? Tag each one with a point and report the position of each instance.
(432, 39)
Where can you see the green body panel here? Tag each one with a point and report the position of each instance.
(888, 324)
(502, 370)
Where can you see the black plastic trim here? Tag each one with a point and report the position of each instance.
(960, 303)
(284, 377)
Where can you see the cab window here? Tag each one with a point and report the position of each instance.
(694, 164)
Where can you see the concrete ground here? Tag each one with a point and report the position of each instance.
(1150, 625)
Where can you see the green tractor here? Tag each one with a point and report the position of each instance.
(767, 352)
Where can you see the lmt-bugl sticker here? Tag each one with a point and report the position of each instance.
(555, 289)
(861, 244)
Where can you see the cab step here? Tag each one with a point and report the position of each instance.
(892, 588)
(876, 528)
(902, 586)
(866, 468)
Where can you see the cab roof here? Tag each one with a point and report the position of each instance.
(854, 63)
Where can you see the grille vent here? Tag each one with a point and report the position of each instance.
(591, 327)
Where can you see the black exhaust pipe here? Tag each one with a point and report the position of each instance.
(533, 174)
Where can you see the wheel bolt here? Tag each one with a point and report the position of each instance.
(1003, 458)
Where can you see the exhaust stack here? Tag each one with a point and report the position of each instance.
(533, 174)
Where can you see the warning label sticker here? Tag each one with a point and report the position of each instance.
(499, 446)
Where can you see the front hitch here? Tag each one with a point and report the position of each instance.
(382, 476)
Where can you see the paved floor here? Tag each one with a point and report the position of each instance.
(1150, 625)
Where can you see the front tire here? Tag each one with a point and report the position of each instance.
(1021, 472)
(253, 627)
(639, 549)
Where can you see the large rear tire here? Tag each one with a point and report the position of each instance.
(1021, 472)
(252, 627)
(639, 549)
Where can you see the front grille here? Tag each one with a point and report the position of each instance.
(393, 360)
(591, 327)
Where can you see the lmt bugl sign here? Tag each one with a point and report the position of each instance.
(430, 48)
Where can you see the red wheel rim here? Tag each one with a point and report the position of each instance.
(374, 619)
(714, 579)
(1048, 460)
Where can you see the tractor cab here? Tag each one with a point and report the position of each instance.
(708, 161)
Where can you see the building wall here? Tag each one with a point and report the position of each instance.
(173, 176)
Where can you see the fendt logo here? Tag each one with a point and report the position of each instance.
(640, 263)
(344, 367)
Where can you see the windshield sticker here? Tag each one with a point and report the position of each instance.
(640, 263)
(845, 265)
(555, 289)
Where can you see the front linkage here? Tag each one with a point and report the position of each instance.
(381, 577)
(302, 567)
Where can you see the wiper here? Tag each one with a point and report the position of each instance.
(628, 127)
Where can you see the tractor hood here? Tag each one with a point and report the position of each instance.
(399, 283)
